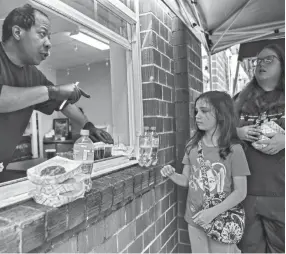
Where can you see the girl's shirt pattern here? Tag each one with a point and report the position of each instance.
(219, 174)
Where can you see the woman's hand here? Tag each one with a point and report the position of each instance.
(249, 133)
(204, 217)
(274, 145)
(167, 171)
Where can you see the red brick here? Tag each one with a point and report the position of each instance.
(142, 222)
(167, 20)
(163, 249)
(158, 176)
(136, 246)
(160, 191)
(170, 80)
(178, 38)
(158, 210)
(184, 248)
(166, 63)
(150, 107)
(154, 121)
(149, 22)
(184, 237)
(152, 214)
(156, 245)
(150, 56)
(161, 45)
(130, 211)
(9, 237)
(103, 185)
(180, 51)
(181, 65)
(111, 245)
(148, 39)
(177, 24)
(160, 13)
(151, 91)
(76, 213)
(114, 222)
(147, 6)
(165, 204)
(148, 200)
(181, 80)
(171, 244)
(163, 31)
(68, 246)
(167, 94)
(118, 189)
(149, 235)
(162, 77)
(170, 215)
(150, 73)
(160, 224)
(57, 222)
(93, 201)
(126, 236)
(163, 108)
(169, 50)
(171, 109)
(182, 224)
(181, 208)
(168, 124)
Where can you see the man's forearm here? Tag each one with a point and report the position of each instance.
(16, 98)
(75, 115)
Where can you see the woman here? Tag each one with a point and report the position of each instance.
(265, 201)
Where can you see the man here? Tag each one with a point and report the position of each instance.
(23, 88)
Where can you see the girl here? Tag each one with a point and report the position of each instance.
(216, 130)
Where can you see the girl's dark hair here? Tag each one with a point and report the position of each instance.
(223, 106)
(23, 17)
(252, 98)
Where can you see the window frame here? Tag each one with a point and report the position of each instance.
(134, 81)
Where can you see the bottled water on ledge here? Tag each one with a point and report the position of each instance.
(84, 151)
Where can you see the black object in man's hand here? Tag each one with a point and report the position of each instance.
(97, 135)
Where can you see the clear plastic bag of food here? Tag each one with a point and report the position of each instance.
(268, 129)
(54, 171)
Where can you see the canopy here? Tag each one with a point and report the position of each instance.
(251, 49)
(225, 23)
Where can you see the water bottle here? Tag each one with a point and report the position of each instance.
(84, 151)
(145, 149)
(155, 145)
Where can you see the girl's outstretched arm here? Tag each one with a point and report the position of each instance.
(180, 179)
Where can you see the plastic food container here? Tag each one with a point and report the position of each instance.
(102, 150)
(71, 168)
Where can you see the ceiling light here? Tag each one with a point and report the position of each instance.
(87, 39)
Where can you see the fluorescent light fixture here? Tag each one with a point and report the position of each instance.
(87, 39)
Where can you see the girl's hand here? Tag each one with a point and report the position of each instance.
(275, 144)
(249, 133)
(204, 217)
(167, 171)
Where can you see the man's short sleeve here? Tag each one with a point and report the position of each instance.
(47, 107)
(186, 160)
(239, 165)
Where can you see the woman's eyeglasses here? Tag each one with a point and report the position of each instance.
(266, 60)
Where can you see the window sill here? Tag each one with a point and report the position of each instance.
(18, 190)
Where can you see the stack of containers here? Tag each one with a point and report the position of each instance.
(57, 181)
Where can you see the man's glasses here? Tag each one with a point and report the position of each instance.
(266, 60)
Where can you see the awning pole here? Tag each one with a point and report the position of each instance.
(210, 70)
(235, 78)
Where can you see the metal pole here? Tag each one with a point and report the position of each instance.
(235, 78)
(210, 70)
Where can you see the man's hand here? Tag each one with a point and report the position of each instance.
(97, 135)
(167, 171)
(275, 144)
(70, 92)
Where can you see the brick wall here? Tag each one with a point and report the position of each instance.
(188, 85)
(133, 210)
(158, 103)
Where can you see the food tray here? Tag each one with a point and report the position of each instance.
(71, 184)
(57, 200)
(71, 169)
